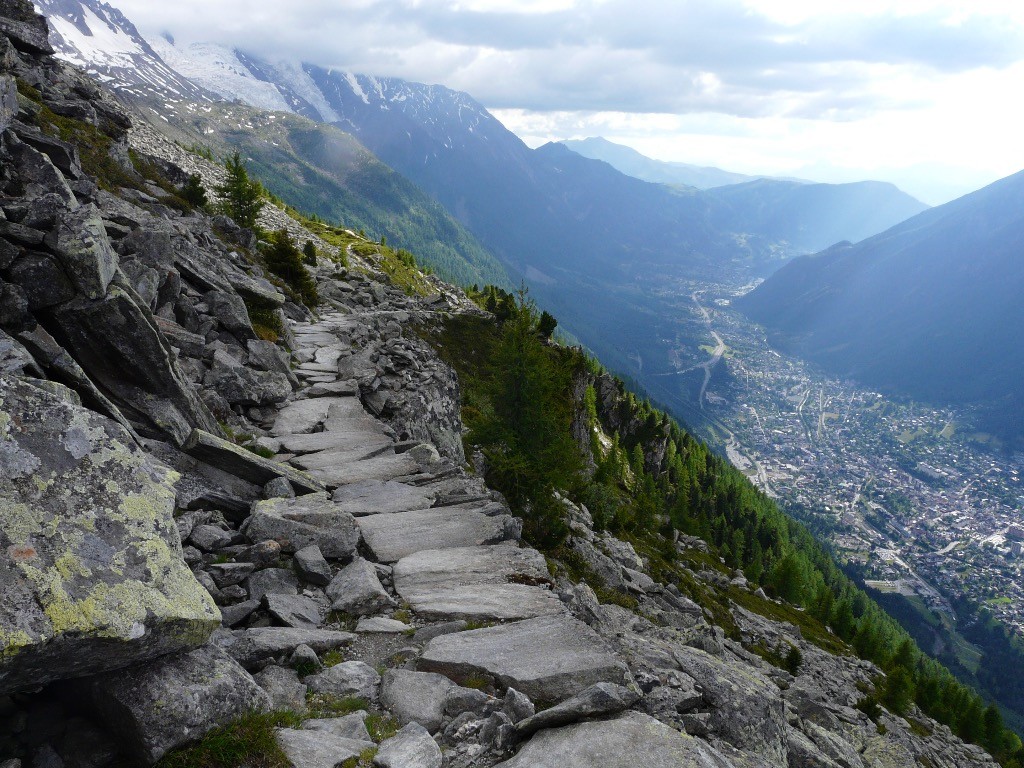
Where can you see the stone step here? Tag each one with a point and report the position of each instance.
(392, 537)
(373, 497)
(337, 457)
(629, 740)
(549, 658)
(306, 415)
(500, 582)
(371, 439)
(379, 468)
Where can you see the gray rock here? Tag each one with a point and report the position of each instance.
(365, 442)
(629, 740)
(498, 733)
(428, 633)
(229, 574)
(81, 243)
(596, 701)
(114, 334)
(484, 583)
(350, 678)
(295, 610)
(372, 497)
(209, 538)
(267, 356)
(416, 697)
(44, 282)
(305, 658)
(283, 687)
(275, 581)
(461, 700)
(392, 537)
(386, 467)
(348, 727)
(549, 659)
(312, 567)
(250, 647)
(357, 590)
(746, 709)
(382, 625)
(239, 462)
(262, 554)
(278, 488)
(230, 311)
(317, 749)
(519, 707)
(8, 101)
(78, 496)
(298, 523)
(239, 385)
(233, 615)
(411, 747)
(303, 416)
(165, 703)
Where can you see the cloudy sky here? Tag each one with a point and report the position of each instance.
(924, 93)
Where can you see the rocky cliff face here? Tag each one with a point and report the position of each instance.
(345, 592)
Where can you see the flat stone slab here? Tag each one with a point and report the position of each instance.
(337, 457)
(372, 497)
(379, 468)
(630, 740)
(549, 658)
(305, 415)
(318, 749)
(303, 521)
(335, 441)
(239, 462)
(499, 582)
(392, 537)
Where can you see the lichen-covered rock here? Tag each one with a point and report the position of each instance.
(81, 243)
(91, 570)
(158, 707)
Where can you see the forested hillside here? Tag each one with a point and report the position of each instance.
(549, 419)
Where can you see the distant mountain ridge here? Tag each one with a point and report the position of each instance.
(930, 308)
(633, 163)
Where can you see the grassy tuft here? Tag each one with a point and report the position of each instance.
(248, 741)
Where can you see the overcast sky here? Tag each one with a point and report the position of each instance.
(924, 93)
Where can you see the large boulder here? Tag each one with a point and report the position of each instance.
(298, 523)
(550, 659)
(629, 740)
(81, 243)
(160, 706)
(91, 569)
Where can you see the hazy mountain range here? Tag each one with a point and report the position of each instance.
(930, 308)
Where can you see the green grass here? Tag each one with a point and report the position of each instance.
(322, 705)
(248, 741)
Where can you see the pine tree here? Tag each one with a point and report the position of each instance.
(546, 325)
(285, 261)
(899, 691)
(192, 192)
(309, 253)
(241, 197)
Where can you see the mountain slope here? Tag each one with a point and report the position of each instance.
(633, 163)
(930, 308)
(313, 166)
